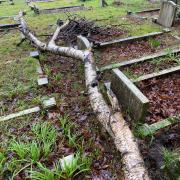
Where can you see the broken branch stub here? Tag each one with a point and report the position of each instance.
(113, 122)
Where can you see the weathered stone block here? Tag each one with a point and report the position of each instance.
(42, 81)
(49, 103)
(167, 13)
(129, 96)
(34, 54)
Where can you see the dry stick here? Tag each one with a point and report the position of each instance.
(113, 122)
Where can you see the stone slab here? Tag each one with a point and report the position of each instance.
(156, 74)
(129, 96)
(34, 54)
(42, 81)
(21, 113)
(49, 103)
(39, 70)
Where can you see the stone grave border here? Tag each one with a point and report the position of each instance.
(37, 10)
(129, 96)
(135, 14)
(148, 130)
(162, 53)
(9, 26)
(129, 39)
(156, 74)
(40, 1)
(19, 114)
(46, 104)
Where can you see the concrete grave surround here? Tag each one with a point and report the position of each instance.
(167, 13)
(129, 39)
(19, 114)
(60, 9)
(162, 53)
(129, 96)
(147, 130)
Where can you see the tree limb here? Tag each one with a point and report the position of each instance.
(113, 122)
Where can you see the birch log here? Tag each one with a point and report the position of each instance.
(113, 122)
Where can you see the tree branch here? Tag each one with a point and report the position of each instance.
(113, 122)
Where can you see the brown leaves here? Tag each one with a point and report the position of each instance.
(164, 96)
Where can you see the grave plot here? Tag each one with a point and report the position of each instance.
(153, 110)
(144, 14)
(155, 65)
(133, 49)
(162, 124)
(164, 96)
(38, 10)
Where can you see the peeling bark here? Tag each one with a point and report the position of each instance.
(113, 122)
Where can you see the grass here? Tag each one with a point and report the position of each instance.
(171, 163)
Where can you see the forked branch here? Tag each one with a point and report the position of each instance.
(113, 122)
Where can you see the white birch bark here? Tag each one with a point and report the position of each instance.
(113, 122)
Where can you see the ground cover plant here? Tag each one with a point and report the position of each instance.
(33, 146)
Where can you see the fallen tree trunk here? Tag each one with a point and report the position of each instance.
(113, 122)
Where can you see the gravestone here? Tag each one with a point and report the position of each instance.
(167, 13)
